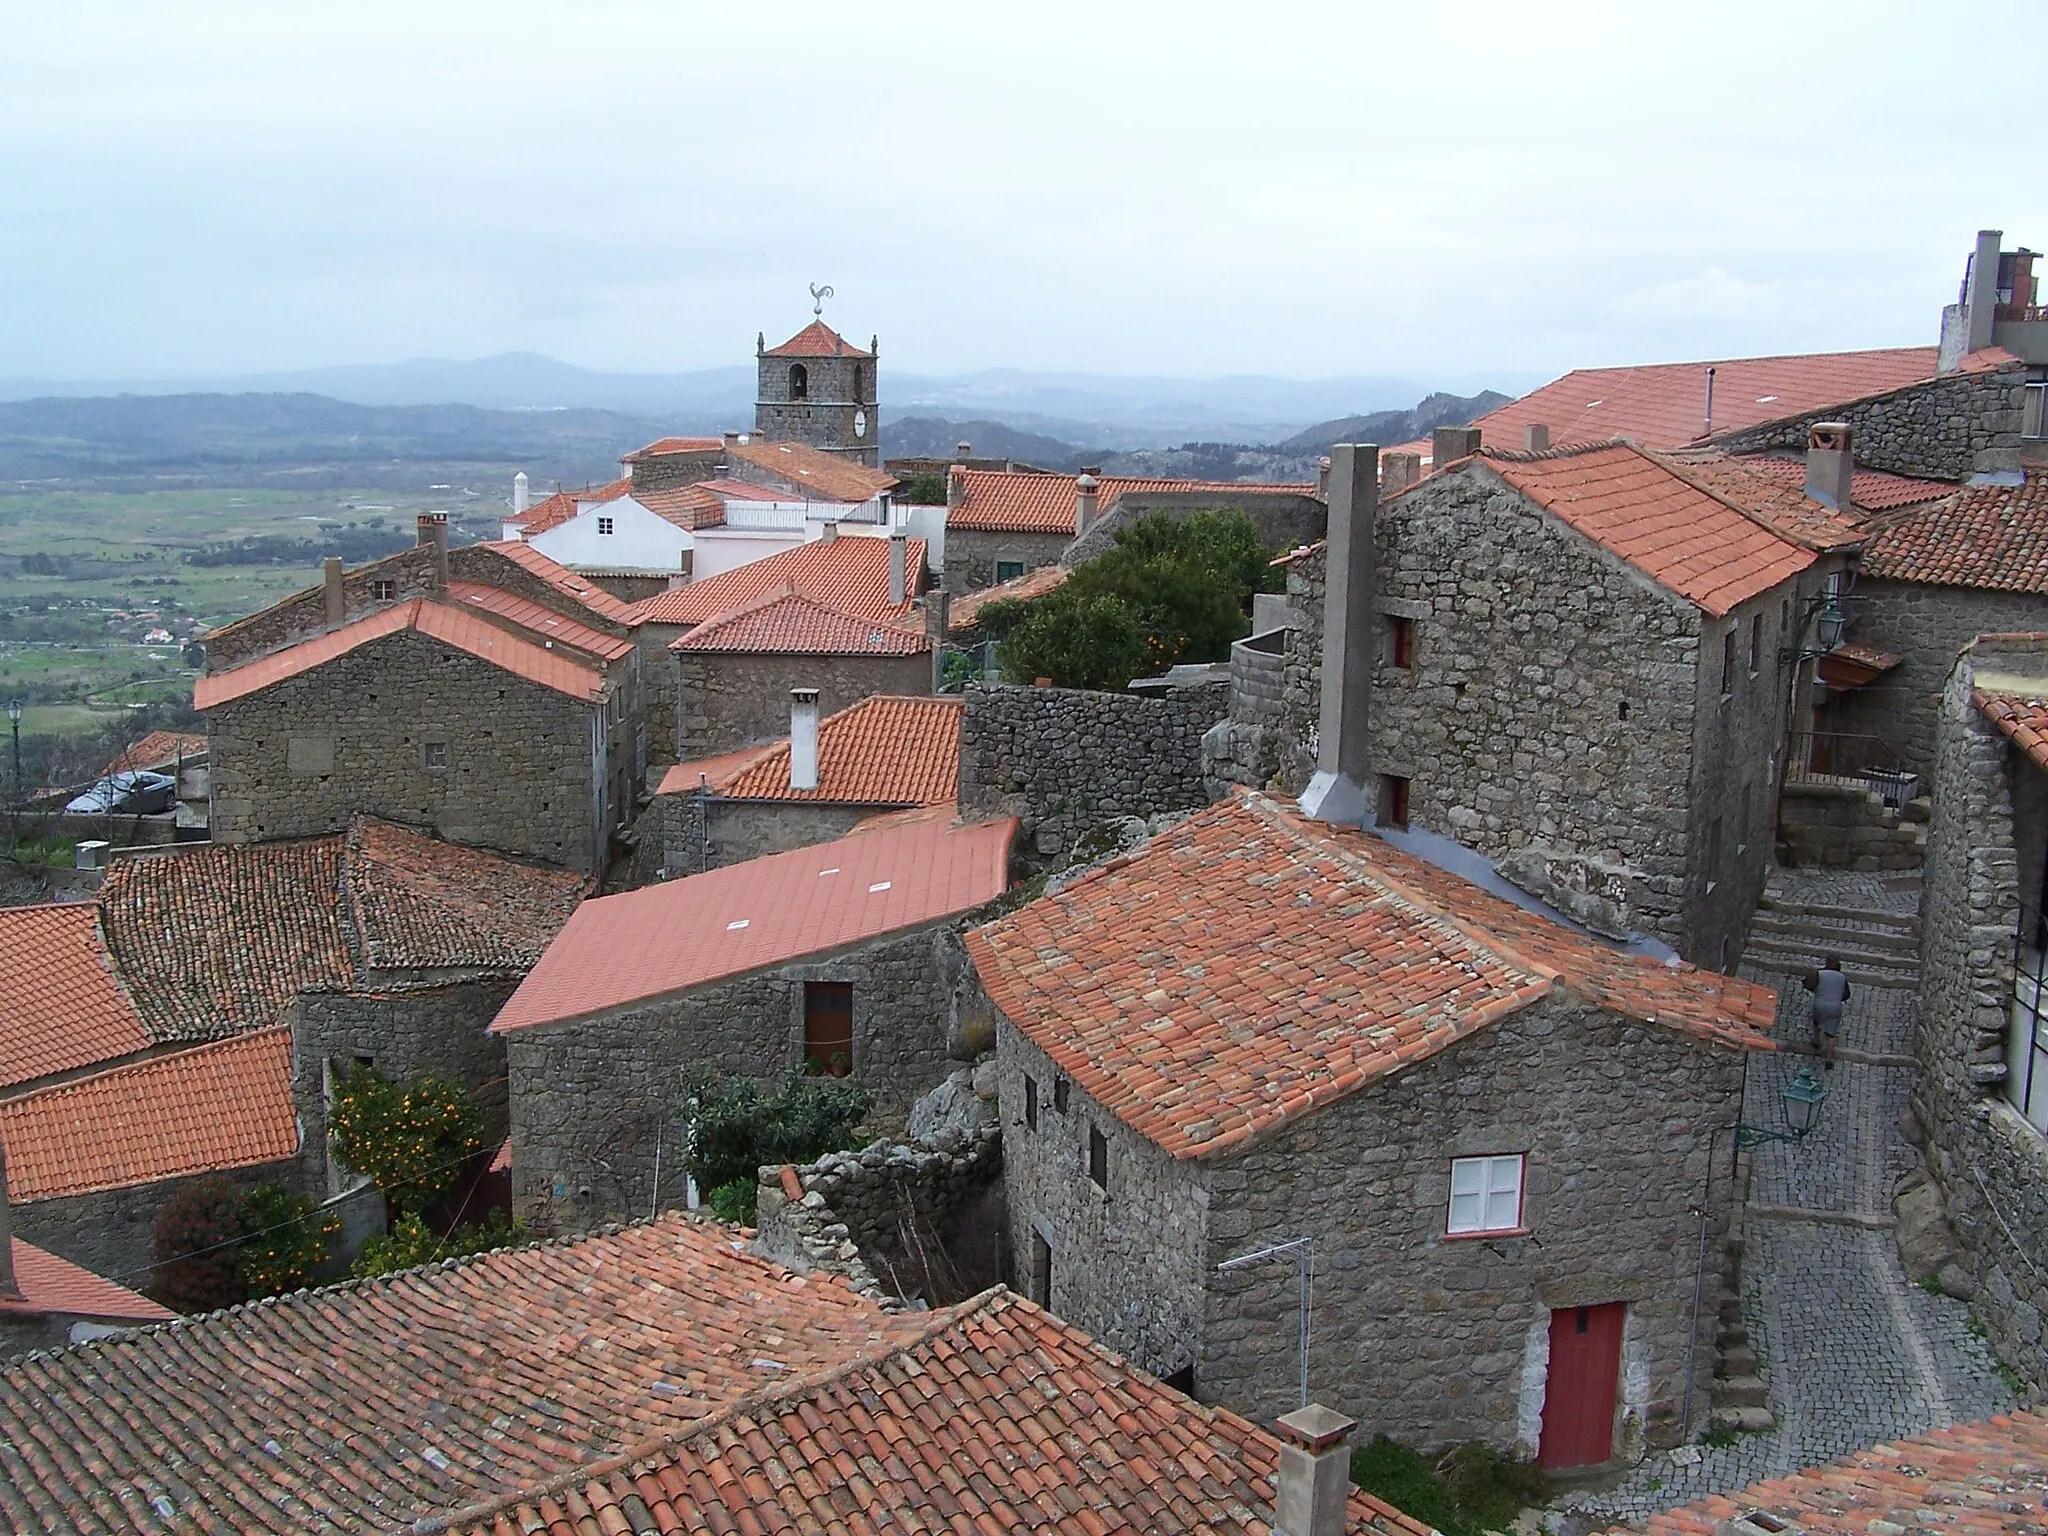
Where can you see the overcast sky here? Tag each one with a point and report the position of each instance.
(199, 188)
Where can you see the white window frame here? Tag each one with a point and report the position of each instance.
(1489, 1180)
(604, 525)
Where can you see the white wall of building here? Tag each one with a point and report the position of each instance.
(638, 540)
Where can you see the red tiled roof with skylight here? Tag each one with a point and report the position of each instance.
(1032, 503)
(792, 623)
(449, 623)
(817, 340)
(1637, 508)
(60, 1006)
(542, 623)
(665, 939)
(1249, 966)
(50, 1285)
(1990, 537)
(884, 750)
(849, 574)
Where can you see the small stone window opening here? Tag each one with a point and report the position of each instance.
(383, 591)
(1031, 1102)
(1728, 664)
(1624, 709)
(1059, 1094)
(1756, 643)
(2036, 419)
(1041, 1270)
(1098, 1159)
(1009, 570)
(1400, 642)
(828, 1028)
(1486, 1195)
(1393, 809)
(437, 754)
(604, 525)
(799, 382)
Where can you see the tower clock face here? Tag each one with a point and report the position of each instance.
(860, 423)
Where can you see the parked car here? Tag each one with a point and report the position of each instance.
(136, 793)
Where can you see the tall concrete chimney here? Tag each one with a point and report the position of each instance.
(1830, 465)
(1398, 471)
(1314, 1481)
(1447, 444)
(899, 569)
(330, 581)
(1338, 793)
(1087, 492)
(433, 529)
(1980, 289)
(803, 738)
(10, 1288)
(521, 497)
(1536, 438)
(938, 628)
(956, 487)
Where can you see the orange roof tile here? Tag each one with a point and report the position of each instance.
(553, 511)
(158, 749)
(794, 623)
(49, 1284)
(370, 1405)
(668, 938)
(448, 623)
(828, 476)
(964, 612)
(995, 1418)
(2023, 718)
(817, 340)
(885, 750)
(667, 445)
(1773, 491)
(1031, 503)
(542, 623)
(1992, 537)
(1634, 506)
(561, 578)
(60, 1006)
(214, 1107)
(849, 574)
(1988, 1478)
(1248, 966)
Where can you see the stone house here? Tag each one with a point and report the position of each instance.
(46, 1302)
(1495, 1134)
(1581, 663)
(845, 955)
(1981, 1094)
(886, 753)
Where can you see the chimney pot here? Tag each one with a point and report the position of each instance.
(433, 528)
(330, 579)
(1087, 495)
(1830, 465)
(803, 738)
(1314, 1480)
(1447, 444)
(521, 493)
(1398, 471)
(1323, 478)
(1536, 438)
(956, 487)
(899, 569)
(90, 854)
(731, 438)
(963, 452)
(828, 532)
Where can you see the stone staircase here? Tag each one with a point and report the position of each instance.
(1879, 945)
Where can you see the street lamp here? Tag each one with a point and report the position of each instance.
(1830, 623)
(1800, 1102)
(14, 719)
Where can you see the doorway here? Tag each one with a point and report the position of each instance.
(1578, 1401)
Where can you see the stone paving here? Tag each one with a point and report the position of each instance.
(1853, 1353)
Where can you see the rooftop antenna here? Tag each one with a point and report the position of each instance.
(1304, 1264)
(818, 297)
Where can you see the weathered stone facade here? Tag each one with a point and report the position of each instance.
(1063, 760)
(973, 554)
(827, 401)
(1245, 746)
(593, 1099)
(676, 826)
(1949, 428)
(729, 699)
(1431, 1339)
(522, 768)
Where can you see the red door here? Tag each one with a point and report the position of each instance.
(1578, 1402)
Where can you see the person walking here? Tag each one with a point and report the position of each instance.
(1830, 989)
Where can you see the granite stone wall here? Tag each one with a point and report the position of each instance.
(410, 571)
(304, 755)
(1283, 518)
(1062, 760)
(1947, 428)
(1244, 747)
(735, 699)
(668, 471)
(592, 1099)
(740, 830)
(972, 554)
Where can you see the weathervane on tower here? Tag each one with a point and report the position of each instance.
(818, 297)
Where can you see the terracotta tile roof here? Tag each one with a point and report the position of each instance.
(448, 623)
(553, 511)
(885, 750)
(1992, 537)
(2023, 717)
(1853, 666)
(1029, 503)
(849, 574)
(1635, 507)
(828, 476)
(1248, 966)
(703, 504)
(214, 1107)
(49, 1284)
(420, 904)
(664, 445)
(668, 938)
(60, 1006)
(996, 1417)
(964, 613)
(1773, 491)
(366, 1406)
(794, 623)
(1872, 490)
(562, 579)
(1988, 1478)
(817, 340)
(157, 750)
(542, 623)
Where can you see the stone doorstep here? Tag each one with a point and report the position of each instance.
(1740, 1392)
(1814, 947)
(1903, 937)
(1895, 981)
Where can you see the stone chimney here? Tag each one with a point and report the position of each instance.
(433, 528)
(1447, 444)
(330, 581)
(1536, 438)
(938, 628)
(1351, 641)
(1398, 471)
(521, 495)
(1323, 478)
(1314, 1480)
(956, 488)
(1087, 493)
(729, 437)
(10, 1289)
(827, 532)
(899, 569)
(803, 738)
(1980, 290)
(962, 452)
(1830, 464)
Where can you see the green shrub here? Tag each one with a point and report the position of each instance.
(409, 1139)
(1471, 1490)
(1076, 641)
(410, 1243)
(287, 1241)
(731, 1128)
(734, 1202)
(216, 1244)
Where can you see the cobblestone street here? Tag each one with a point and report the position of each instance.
(1853, 1352)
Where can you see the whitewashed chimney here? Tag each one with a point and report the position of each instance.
(1830, 464)
(1087, 493)
(521, 495)
(803, 738)
(899, 569)
(1314, 1481)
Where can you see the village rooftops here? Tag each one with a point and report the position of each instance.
(671, 445)
(542, 623)
(451, 624)
(994, 1417)
(1249, 966)
(664, 940)
(884, 750)
(1991, 537)
(565, 581)
(794, 623)
(964, 612)
(50, 1285)
(370, 1405)
(60, 1007)
(848, 574)
(1033, 503)
(159, 749)
(553, 511)
(828, 476)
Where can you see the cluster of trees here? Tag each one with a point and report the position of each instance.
(353, 544)
(731, 1129)
(1169, 590)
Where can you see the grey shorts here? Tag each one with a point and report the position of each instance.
(1827, 1020)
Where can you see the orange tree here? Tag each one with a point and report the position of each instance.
(409, 1139)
